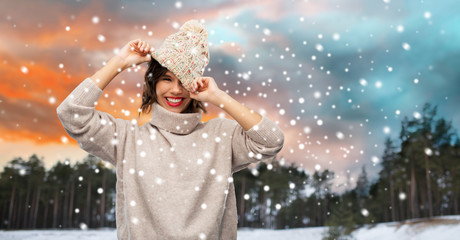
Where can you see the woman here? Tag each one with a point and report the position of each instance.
(174, 174)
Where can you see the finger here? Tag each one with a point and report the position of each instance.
(203, 82)
(134, 42)
(141, 48)
(135, 46)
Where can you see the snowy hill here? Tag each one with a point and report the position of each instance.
(439, 228)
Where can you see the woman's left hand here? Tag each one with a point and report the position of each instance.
(205, 89)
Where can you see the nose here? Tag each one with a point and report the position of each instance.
(177, 87)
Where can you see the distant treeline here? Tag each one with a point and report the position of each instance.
(418, 178)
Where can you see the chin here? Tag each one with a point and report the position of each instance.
(177, 110)
(173, 109)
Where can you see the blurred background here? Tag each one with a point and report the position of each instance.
(366, 93)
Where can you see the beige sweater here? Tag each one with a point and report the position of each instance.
(174, 174)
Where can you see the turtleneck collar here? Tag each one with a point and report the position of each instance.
(179, 123)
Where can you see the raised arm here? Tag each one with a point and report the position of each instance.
(133, 53)
(254, 138)
(207, 90)
(97, 132)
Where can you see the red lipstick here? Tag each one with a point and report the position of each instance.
(174, 104)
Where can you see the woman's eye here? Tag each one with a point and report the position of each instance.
(166, 79)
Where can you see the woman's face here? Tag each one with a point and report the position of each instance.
(171, 94)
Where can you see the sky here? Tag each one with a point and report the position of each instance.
(337, 76)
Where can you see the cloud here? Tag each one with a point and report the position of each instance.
(27, 120)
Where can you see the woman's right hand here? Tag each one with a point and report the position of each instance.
(134, 52)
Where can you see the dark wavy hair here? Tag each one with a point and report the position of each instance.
(153, 74)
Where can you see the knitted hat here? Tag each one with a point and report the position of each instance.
(185, 53)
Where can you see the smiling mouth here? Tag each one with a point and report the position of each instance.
(173, 101)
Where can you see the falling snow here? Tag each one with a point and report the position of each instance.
(101, 38)
(328, 88)
(24, 70)
(406, 46)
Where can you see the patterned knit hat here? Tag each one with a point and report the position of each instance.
(185, 53)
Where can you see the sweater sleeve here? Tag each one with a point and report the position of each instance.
(96, 132)
(262, 142)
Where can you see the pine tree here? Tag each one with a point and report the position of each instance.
(341, 223)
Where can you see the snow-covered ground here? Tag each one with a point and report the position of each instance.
(440, 228)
